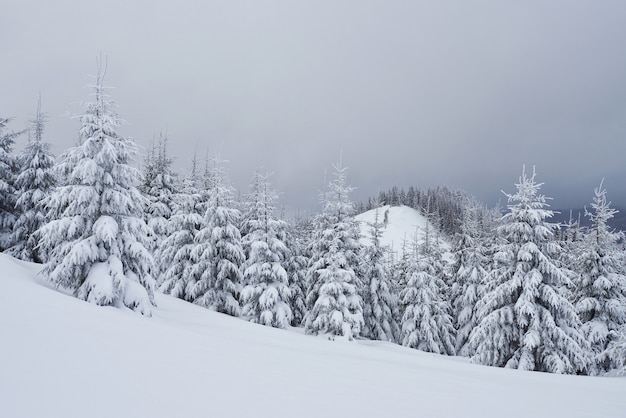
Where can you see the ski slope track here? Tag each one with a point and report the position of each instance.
(62, 357)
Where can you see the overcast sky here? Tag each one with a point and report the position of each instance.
(424, 93)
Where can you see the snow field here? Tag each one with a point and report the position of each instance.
(62, 357)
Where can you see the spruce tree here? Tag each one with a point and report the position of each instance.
(379, 302)
(335, 306)
(216, 278)
(175, 250)
(33, 185)
(526, 321)
(601, 301)
(161, 188)
(266, 294)
(296, 267)
(427, 323)
(96, 239)
(468, 272)
(8, 172)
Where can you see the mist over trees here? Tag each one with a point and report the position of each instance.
(503, 287)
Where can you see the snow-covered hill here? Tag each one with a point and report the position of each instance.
(61, 357)
(403, 226)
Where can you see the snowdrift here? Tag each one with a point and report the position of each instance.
(62, 357)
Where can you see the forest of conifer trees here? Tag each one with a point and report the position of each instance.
(513, 290)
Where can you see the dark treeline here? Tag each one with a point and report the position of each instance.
(443, 207)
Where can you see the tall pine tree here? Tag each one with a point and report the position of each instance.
(427, 323)
(335, 306)
(175, 250)
(160, 190)
(379, 302)
(33, 185)
(468, 272)
(96, 240)
(266, 295)
(601, 301)
(526, 322)
(8, 171)
(216, 277)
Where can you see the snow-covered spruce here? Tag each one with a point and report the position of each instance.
(468, 272)
(175, 250)
(296, 267)
(159, 186)
(266, 294)
(379, 303)
(8, 172)
(96, 239)
(526, 322)
(33, 185)
(335, 306)
(427, 324)
(601, 290)
(218, 255)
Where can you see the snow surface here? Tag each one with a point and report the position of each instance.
(62, 357)
(404, 224)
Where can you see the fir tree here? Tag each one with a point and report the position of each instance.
(8, 172)
(427, 324)
(175, 250)
(335, 306)
(216, 277)
(526, 322)
(296, 272)
(468, 273)
(160, 190)
(601, 303)
(33, 185)
(97, 238)
(266, 294)
(379, 303)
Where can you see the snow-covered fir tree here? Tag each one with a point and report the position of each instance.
(33, 185)
(526, 322)
(175, 250)
(8, 172)
(335, 306)
(96, 239)
(266, 295)
(379, 303)
(160, 188)
(216, 277)
(427, 323)
(601, 301)
(468, 272)
(296, 267)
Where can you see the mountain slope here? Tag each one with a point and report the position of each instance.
(402, 227)
(61, 357)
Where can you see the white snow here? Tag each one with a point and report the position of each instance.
(62, 357)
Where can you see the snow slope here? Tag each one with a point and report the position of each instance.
(404, 224)
(61, 357)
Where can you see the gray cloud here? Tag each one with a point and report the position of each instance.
(414, 93)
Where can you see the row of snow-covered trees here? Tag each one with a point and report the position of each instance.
(512, 294)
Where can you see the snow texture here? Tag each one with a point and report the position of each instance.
(61, 357)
